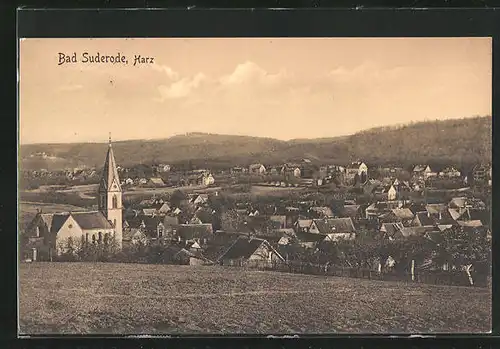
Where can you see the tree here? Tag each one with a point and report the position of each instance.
(177, 197)
(231, 221)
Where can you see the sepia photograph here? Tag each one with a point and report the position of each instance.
(178, 186)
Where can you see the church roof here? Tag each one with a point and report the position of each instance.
(91, 220)
(110, 180)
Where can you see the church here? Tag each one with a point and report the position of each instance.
(49, 232)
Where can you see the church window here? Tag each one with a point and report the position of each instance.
(115, 201)
(93, 238)
(106, 238)
(114, 223)
(87, 237)
(37, 232)
(100, 237)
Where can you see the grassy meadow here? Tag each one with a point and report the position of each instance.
(83, 298)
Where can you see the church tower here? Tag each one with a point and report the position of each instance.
(110, 194)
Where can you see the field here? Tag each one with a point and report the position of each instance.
(161, 299)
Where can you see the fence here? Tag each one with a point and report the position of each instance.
(434, 277)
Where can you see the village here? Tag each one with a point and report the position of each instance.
(270, 216)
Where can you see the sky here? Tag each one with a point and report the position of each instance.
(283, 88)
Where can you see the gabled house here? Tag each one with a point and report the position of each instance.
(355, 170)
(257, 169)
(353, 211)
(200, 199)
(422, 171)
(244, 250)
(302, 225)
(401, 215)
(334, 228)
(151, 226)
(200, 233)
(391, 231)
(309, 240)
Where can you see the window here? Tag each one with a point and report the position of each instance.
(114, 223)
(37, 232)
(106, 238)
(100, 237)
(160, 232)
(87, 237)
(93, 238)
(115, 201)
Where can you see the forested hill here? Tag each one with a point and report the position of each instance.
(459, 141)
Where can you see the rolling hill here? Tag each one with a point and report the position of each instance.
(459, 141)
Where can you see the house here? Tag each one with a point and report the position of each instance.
(436, 210)
(200, 199)
(246, 249)
(206, 179)
(321, 212)
(149, 212)
(357, 170)
(177, 254)
(132, 237)
(423, 219)
(200, 233)
(164, 168)
(128, 181)
(401, 215)
(449, 172)
(280, 221)
(391, 231)
(257, 169)
(481, 173)
(352, 211)
(334, 228)
(55, 231)
(422, 171)
(390, 192)
(237, 170)
(291, 170)
(309, 240)
(303, 225)
(151, 226)
(370, 186)
(161, 208)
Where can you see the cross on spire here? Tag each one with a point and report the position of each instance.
(110, 139)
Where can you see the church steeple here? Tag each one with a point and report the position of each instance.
(110, 193)
(109, 179)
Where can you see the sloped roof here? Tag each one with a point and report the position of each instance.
(403, 213)
(416, 231)
(193, 231)
(156, 180)
(350, 210)
(304, 223)
(473, 223)
(280, 219)
(392, 229)
(424, 219)
(309, 237)
(54, 221)
(458, 202)
(335, 225)
(244, 247)
(436, 208)
(149, 211)
(91, 220)
(324, 210)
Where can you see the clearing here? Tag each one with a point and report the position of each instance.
(83, 298)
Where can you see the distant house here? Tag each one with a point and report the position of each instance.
(423, 219)
(391, 192)
(357, 170)
(237, 170)
(449, 172)
(156, 181)
(352, 211)
(128, 181)
(207, 179)
(321, 212)
(163, 168)
(142, 181)
(257, 169)
(303, 225)
(180, 255)
(245, 249)
(334, 228)
(200, 199)
(401, 215)
(391, 231)
(422, 171)
(280, 221)
(151, 226)
(132, 237)
(310, 240)
(481, 174)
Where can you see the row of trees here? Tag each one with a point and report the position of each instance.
(456, 248)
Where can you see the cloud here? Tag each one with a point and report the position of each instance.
(169, 72)
(182, 88)
(250, 72)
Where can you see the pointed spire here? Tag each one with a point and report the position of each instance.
(110, 172)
